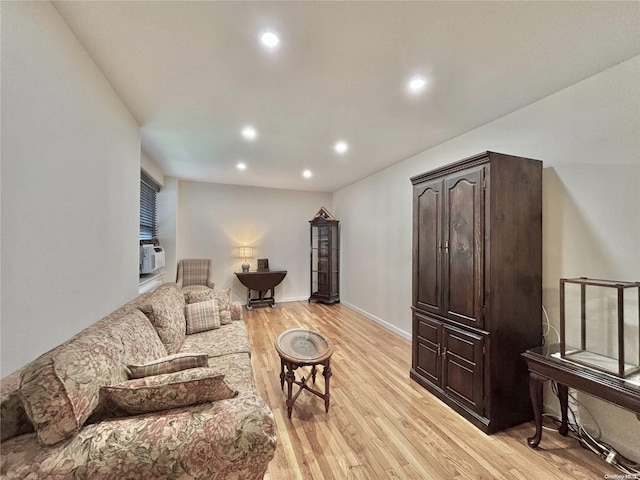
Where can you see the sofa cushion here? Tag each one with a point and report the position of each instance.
(223, 297)
(169, 364)
(237, 372)
(172, 390)
(165, 309)
(202, 316)
(231, 338)
(61, 388)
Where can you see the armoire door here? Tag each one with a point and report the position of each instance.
(427, 244)
(463, 235)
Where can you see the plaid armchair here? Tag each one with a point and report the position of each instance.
(195, 274)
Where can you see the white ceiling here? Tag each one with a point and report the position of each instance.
(193, 74)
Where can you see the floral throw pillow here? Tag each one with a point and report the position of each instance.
(61, 388)
(202, 316)
(223, 297)
(172, 390)
(169, 364)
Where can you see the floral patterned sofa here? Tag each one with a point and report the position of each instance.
(134, 396)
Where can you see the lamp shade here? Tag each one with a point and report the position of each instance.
(246, 252)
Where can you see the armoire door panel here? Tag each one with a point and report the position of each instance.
(460, 381)
(463, 237)
(428, 359)
(428, 214)
(428, 364)
(463, 376)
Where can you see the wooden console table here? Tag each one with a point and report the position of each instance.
(261, 281)
(544, 363)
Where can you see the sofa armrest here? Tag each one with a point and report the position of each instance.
(236, 311)
(226, 439)
(232, 436)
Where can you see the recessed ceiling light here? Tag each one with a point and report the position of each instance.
(307, 174)
(241, 166)
(417, 84)
(249, 132)
(270, 39)
(341, 147)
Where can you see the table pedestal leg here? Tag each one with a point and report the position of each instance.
(535, 391)
(326, 373)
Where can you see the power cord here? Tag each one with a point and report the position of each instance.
(548, 326)
(587, 441)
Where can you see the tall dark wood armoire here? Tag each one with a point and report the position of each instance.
(325, 258)
(477, 285)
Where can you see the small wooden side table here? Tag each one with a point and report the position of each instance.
(300, 347)
(261, 281)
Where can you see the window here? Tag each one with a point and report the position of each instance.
(148, 209)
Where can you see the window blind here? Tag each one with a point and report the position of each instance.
(148, 207)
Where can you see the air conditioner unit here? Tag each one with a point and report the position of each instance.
(151, 258)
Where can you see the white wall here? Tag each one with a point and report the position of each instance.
(70, 187)
(168, 225)
(151, 168)
(588, 136)
(214, 220)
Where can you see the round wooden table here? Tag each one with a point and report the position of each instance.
(300, 347)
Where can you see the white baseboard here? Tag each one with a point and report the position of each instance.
(379, 321)
(283, 300)
(293, 299)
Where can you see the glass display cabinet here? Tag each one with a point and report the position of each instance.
(603, 318)
(325, 258)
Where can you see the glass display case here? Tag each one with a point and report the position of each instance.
(325, 258)
(600, 324)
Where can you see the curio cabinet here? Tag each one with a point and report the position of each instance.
(325, 258)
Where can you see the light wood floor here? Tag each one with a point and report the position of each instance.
(383, 425)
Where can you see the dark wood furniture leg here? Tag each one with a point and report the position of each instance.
(535, 391)
(563, 396)
(281, 374)
(248, 305)
(545, 363)
(290, 376)
(326, 373)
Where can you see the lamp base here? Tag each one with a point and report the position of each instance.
(245, 267)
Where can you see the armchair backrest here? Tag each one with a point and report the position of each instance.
(194, 271)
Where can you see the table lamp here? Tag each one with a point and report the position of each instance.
(246, 252)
